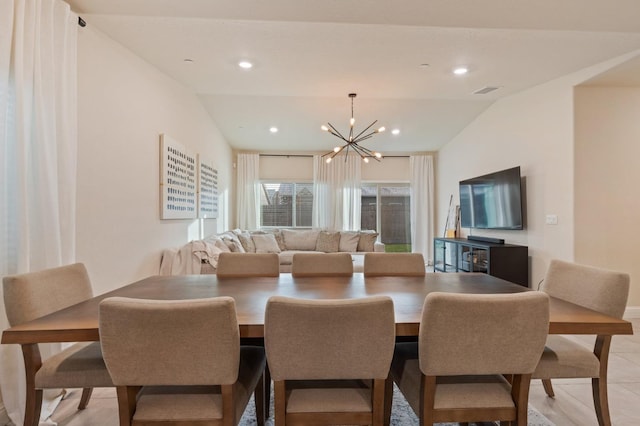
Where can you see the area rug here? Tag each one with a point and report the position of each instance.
(401, 414)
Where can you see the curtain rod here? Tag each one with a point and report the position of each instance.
(310, 155)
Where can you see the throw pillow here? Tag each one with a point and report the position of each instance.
(265, 243)
(367, 241)
(349, 241)
(247, 242)
(221, 245)
(300, 240)
(328, 242)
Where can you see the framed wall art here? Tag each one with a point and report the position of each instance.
(177, 180)
(207, 189)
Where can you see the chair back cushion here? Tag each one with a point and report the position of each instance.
(594, 288)
(321, 265)
(329, 339)
(472, 334)
(232, 265)
(35, 294)
(170, 342)
(394, 264)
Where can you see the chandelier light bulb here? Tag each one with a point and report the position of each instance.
(336, 149)
(325, 128)
(352, 121)
(365, 159)
(377, 154)
(328, 160)
(381, 129)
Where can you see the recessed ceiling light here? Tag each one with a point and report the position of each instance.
(423, 66)
(188, 61)
(395, 132)
(460, 70)
(273, 130)
(245, 64)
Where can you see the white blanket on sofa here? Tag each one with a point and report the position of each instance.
(188, 258)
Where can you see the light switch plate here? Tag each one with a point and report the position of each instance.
(551, 219)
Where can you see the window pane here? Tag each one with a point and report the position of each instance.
(368, 208)
(277, 204)
(395, 223)
(304, 204)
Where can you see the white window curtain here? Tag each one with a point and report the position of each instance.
(248, 191)
(337, 193)
(38, 144)
(422, 207)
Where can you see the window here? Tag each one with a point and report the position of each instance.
(286, 204)
(386, 209)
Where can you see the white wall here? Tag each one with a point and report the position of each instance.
(534, 130)
(124, 105)
(607, 196)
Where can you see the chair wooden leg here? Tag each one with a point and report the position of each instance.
(267, 391)
(127, 396)
(258, 396)
(84, 399)
(599, 384)
(388, 400)
(548, 388)
(32, 363)
(280, 410)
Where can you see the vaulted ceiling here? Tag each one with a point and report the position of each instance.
(397, 56)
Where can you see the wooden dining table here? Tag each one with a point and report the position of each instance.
(80, 322)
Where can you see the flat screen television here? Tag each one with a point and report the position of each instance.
(492, 201)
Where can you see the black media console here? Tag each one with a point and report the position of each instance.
(482, 254)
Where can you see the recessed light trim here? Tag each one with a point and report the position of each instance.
(245, 65)
(460, 70)
(188, 61)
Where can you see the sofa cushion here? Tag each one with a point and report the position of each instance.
(300, 240)
(367, 240)
(265, 243)
(247, 242)
(328, 242)
(349, 241)
(286, 257)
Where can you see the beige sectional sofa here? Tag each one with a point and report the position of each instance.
(201, 256)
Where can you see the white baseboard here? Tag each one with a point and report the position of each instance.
(632, 312)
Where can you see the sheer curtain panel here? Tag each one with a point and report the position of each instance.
(336, 193)
(248, 185)
(38, 144)
(422, 199)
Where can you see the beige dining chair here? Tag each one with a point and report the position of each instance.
(322, 265)
(179, 362)
(36, 294)
(238, 265)
(467, 344)
(597, 289)
(394, 265)
(329, 359)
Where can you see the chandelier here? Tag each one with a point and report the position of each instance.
(353, 140)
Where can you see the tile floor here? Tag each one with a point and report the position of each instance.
(573, 404)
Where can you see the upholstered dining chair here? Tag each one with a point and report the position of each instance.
(468, 344)
(597, 289)
(322, 265)
(235, 265)
(36, 294)
(179, 362)
(394, 264)
(329, 359)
